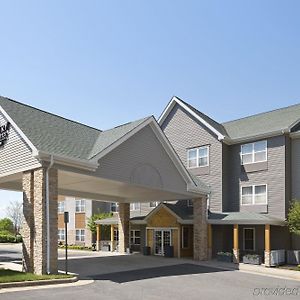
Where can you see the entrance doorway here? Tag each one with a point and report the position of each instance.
(162, 238)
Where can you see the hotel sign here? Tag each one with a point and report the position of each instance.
(4, 130)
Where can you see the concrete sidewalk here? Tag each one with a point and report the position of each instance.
(254, 269)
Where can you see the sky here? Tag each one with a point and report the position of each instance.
(104, 63)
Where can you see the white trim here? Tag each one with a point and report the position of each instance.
(254, 244)
(19, 131)
(253, 153)
(253, 194)
(172, 103)
(66, 161)
(162, 228)
(197, 156)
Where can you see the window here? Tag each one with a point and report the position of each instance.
(135, 206)
(135, 237)
(198, 157)
(61, 234)
(185, 237)
(249, 239)
(80, 235)
(114, 207)
(154, 203)
(254, 152)
(254, 194)
(189, 203)
(80, 205)
(61, 207)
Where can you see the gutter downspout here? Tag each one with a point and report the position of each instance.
(48, 213)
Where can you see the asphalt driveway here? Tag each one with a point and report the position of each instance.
(140, 277)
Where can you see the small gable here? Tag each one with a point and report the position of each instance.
(162, 217)
(143, 161)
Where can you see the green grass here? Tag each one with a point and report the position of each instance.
(15, 276)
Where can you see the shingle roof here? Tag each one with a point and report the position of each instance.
(263, 123)
(56, 135)
(108, 137)
(243, 218)
(182, 211)
(209, 120)
(252, 126)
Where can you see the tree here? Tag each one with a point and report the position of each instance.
(294, 217)
(6, 225)
(91, 222)
(15, 213)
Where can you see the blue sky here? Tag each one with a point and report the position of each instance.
(104, 63)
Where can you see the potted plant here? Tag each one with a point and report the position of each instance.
(253, 259)
(224, 256)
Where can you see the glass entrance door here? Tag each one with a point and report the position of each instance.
(162, 238)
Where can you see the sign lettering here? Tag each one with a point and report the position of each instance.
(4, 130)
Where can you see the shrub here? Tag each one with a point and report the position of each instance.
(7, 237)
(225, 253)
(294, 217)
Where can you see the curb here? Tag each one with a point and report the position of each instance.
(38, 282)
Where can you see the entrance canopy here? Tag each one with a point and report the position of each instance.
(132, 162)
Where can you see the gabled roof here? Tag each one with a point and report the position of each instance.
(204, 119)
(183, 213)
(79, 145)
(270, 122)
(275, 122)
(60, 136)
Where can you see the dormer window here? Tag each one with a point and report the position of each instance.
(198, 157)
(254, 152)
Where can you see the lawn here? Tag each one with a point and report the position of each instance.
(15, 276)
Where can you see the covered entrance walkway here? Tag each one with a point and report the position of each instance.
(44, 155)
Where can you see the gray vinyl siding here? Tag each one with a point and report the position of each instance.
(295, 168)
(143, 161)
(15, 154)
(184, 132)
(225, 179)
(273, 176)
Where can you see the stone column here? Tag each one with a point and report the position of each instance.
(236, 251)
(35, 224)
(98, 237)
(267, 245)
(200, 229)
(27, 229)
(123, 215)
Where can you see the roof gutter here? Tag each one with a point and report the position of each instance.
(66, 161)
(229, 141)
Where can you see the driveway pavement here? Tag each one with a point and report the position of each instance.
(140, 277)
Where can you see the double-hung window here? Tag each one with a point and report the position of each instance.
(61, 207)
(254, 195)
(254, 152)
(135, 237)
(61, 234)
(198, 157)
(80, 235)
(80, 206)
(135, 206)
